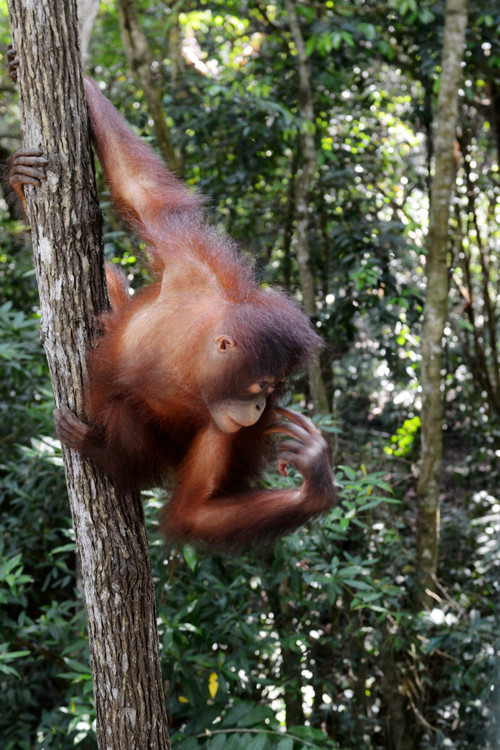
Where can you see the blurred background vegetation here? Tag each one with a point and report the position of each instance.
(320, 641)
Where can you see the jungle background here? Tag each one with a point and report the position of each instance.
(325, 639)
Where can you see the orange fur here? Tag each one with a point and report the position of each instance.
(118, 290)
(156, 369)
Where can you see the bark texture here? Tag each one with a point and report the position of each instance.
(435, 309)
(303, 184)
(66, 234)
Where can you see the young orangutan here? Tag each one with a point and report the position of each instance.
(186, 375)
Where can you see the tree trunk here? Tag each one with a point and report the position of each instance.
(87, 14)
(291, 660)
(402, 729)
(66, 236)
(437, 296)
(302, 193)
(139, 58)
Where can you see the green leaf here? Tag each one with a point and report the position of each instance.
(258, 742)
(190, 556)
(255, 715)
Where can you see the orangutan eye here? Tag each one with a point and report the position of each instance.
(255, 389)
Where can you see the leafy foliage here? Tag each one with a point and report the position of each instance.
(316, 642)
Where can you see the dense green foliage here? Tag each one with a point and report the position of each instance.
(317, 642)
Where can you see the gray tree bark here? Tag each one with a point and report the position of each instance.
(435, 309)
(66, 234)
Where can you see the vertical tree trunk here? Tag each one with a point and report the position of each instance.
(291, 660)
(66, 235)
(402, 730)
(437, 295)
(139, 58)
(87, 14)
(302, 194)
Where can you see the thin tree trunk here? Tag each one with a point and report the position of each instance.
(474, 354)
(302, 195)
(489, 308)
(288, 226)
(402, 731)
(172, 44)
(87, 14)
(291, 660)
(489, 374)
(66, 235)
(437, 296)
(138, 55)
(495, 114)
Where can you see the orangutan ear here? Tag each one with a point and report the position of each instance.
(224, 343)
